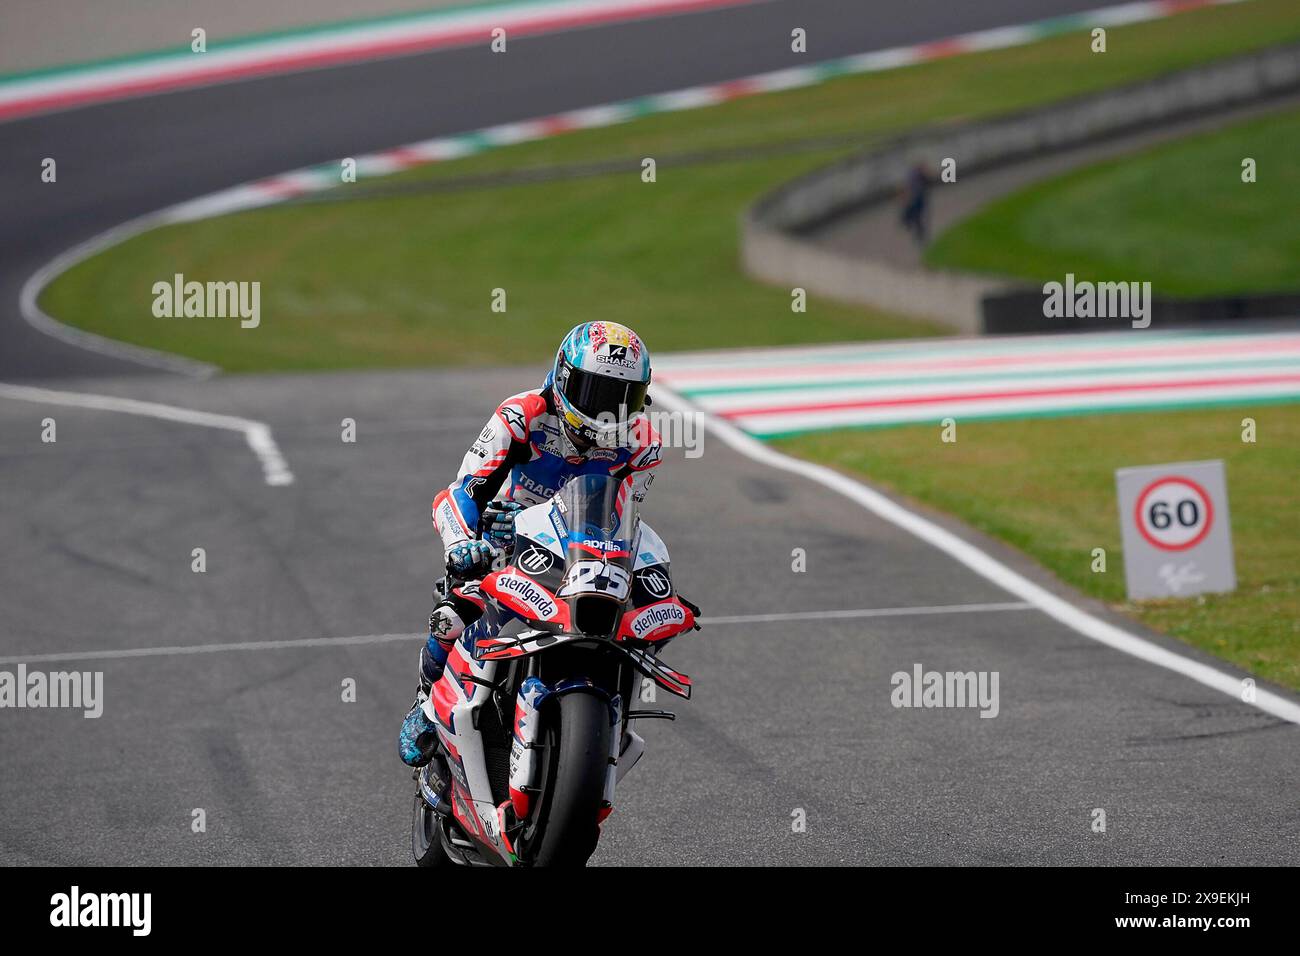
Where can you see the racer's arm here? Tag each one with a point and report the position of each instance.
(501, 445)
(647, 454)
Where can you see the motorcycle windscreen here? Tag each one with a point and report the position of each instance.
(600, 515)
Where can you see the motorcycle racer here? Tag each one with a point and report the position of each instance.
(586, 418)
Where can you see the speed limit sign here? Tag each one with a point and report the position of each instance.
(1174, 513)
(1174, 525)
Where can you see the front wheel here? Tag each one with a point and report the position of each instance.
(426, 835)
(565, 827)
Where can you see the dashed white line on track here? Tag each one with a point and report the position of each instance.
(180, 650)
(257, 434)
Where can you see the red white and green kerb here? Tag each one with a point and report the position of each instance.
(355, 41)
(771, 392)
(775, 392)
(326, 176)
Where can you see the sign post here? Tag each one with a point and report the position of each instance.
(1175, 529)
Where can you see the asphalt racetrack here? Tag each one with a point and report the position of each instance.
(790, 713)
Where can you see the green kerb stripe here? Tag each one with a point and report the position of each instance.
(1048, 413)
(1101, 371)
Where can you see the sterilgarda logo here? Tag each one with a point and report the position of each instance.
(528, 593)
(656, 616)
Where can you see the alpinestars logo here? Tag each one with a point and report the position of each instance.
(528, 594)
(649, 457)
(514, 420)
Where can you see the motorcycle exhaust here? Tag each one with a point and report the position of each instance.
(435, 785)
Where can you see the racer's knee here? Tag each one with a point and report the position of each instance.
(445, 628)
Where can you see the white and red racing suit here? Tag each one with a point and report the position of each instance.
(523, 455)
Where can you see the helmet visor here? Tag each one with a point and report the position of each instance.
(596, 395)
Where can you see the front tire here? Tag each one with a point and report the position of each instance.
(565, 830)
(426, 836)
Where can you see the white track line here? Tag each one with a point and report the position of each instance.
(37, 318)
(180, 651)
(987, 566)
(257, 434)
(278, 188)
(389, 638)
(869, 612)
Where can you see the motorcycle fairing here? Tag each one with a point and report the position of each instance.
(455, 700)
(673, 681)
(541, 525)
(519, 645)
(525, 596)
(649, 547)
(656, 622)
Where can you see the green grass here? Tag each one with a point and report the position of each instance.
(1177, 215)
(1026, 483)
(408, 281)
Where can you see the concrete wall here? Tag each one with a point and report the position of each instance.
(773, 249)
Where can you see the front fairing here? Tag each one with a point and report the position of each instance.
(600, 517)
(571, 571)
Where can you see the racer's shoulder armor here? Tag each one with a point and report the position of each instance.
(645, 450)
(520, 413)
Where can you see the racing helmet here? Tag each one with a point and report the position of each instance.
(599, 381)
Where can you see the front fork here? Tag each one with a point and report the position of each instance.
(611, 768)
(525, 747)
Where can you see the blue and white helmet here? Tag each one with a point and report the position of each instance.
(599, 380)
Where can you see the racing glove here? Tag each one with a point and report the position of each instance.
(470, 560)
(497, 522)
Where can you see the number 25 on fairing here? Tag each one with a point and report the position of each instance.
(596, 577)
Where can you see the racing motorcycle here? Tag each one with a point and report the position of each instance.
(532, 709)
